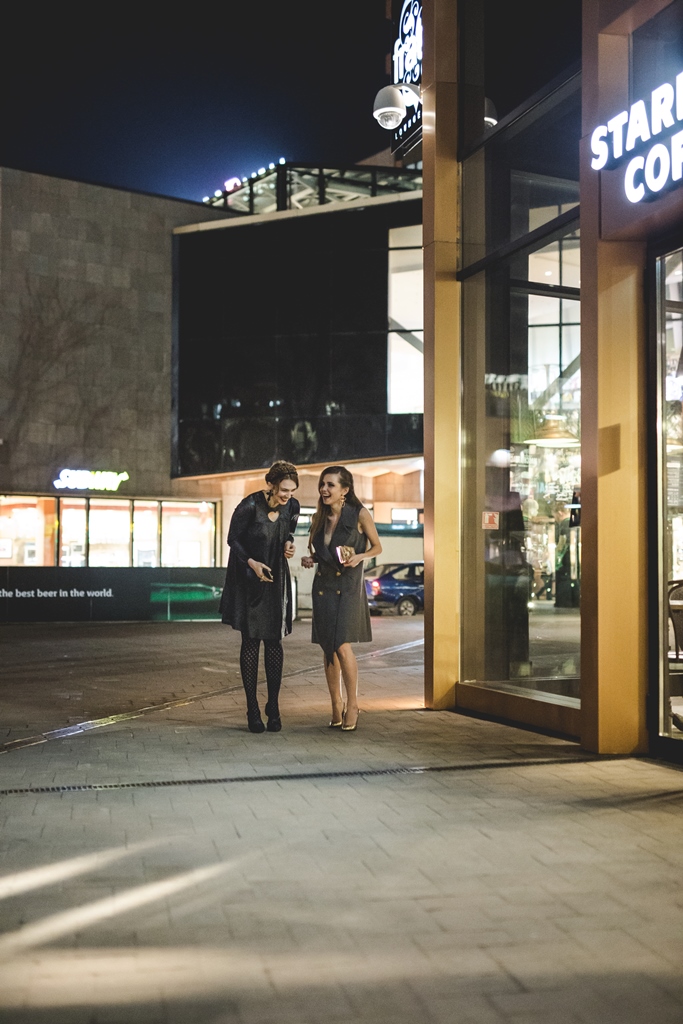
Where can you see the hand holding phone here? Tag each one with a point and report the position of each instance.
(263, 572)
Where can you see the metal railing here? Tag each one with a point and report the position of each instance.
(298, 186)
(208, 445)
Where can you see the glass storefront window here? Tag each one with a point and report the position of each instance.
(405, 348)
(27, 530)
(525, 176)
(557, 263)
(72, 517)
(406, 374)
(109, 532)
(539, 198)
(146, 534)
(522, 474)
(670, 457)
(187, 533)
(97, 532)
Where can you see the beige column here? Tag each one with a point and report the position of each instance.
(613, 372)
(442, 353)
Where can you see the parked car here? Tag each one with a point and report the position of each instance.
(398, 587)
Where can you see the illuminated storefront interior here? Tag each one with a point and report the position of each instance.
(670, 491)
(108, 532)
(522, 405)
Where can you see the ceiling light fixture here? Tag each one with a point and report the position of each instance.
(553, 435)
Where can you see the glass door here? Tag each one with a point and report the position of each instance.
(670, 491)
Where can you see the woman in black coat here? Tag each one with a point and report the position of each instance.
(342, 536)
(257, 597)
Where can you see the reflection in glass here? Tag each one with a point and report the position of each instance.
(538, 199)
(72, 532)
(557, 263)
(522, 458)
(146, 534)
(525, 176)
(187, 533)
(670, 362)
(27, 530)
(109, 532)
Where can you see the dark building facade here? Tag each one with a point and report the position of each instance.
(92, 524)
(300, 336)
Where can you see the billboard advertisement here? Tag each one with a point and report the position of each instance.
(50, 594)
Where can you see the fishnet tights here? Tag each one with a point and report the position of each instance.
(273, 658)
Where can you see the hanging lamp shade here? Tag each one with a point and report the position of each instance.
(553, 435)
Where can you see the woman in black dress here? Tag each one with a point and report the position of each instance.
(257, 597)
(342, 536)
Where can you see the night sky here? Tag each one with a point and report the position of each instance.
(177, 103)
(528, 43)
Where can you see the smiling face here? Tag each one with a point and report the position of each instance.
(331, 490)
(283, 491)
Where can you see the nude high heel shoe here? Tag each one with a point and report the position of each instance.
(339, 724)
(350, 728)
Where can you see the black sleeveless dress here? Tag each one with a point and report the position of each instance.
(263, 611)
(340, 604)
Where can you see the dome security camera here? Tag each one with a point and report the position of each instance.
(490, 113)
(389, 107)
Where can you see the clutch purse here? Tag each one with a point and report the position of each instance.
(344, 552)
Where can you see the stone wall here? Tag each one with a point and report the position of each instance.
(85, 331)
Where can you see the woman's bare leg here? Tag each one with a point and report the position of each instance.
(349, 669)
(333, 674)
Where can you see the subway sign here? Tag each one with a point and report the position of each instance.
(89, 480)
(646, 141)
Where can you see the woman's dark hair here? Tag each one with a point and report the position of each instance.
(351, 498)
(280, 471)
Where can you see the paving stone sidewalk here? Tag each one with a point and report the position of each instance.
(537, 892)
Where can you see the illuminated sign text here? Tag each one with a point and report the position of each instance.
(89, 480)
(407, 70)
(649, 170)
(407, 57)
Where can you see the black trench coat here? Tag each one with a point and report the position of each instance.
(340, 604)
(262, 611)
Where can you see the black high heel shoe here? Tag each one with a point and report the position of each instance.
(274, 721)
(255, 722)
